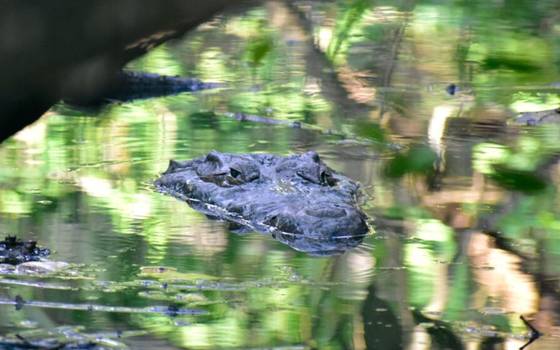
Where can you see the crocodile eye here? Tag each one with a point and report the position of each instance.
(326, 178)
(234, 173)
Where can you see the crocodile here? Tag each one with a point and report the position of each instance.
(297, 199)
(551, 116)
(126, 85)
(141, 85)
(14, 251)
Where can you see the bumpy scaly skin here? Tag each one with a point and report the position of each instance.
(14, 251)
(128, 86)
(298, 199)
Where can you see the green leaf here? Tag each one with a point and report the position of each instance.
(501, 62)
(370, 131)
(517, 180)
(419, 159)
(258, 49)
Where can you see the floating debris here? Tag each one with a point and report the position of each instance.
(36, 284)
(66, 338)
(19, 303)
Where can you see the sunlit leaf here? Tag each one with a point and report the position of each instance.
(459, 294)
(422, 265)
(439, 237)
(530, 102)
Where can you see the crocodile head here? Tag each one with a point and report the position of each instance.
(297, 199)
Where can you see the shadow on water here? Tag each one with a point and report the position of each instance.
(64, 49)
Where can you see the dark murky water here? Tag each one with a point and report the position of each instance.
(457, 255)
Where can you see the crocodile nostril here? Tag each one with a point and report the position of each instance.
(272, 221)
(282, 223)
(314, 157)
(235, 207)
(326, 178)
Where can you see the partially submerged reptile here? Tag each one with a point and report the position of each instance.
(140, 85)
(14, 251)
(127, 86)
(550, 116)
(298, 199)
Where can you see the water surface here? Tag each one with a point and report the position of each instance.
(459, 247)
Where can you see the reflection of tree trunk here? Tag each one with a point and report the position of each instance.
(392, 63)
(382, 328)
(390, 288)
(548, 314)
(398, 37)
(316, 63)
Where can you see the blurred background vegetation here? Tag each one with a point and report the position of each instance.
(465, 205)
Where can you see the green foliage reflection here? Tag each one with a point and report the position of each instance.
(81, 180)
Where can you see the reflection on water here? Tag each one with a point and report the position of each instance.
(463, 246)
